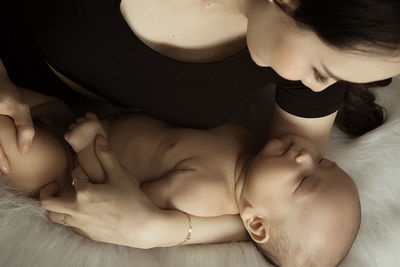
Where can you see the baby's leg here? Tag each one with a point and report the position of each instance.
(82, 137)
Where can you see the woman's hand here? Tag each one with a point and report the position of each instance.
(12, 104)
(116, 212)
(119, 212)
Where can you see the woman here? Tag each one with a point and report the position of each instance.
(199, 77)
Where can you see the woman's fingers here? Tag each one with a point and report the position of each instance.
(62, 218)
(55, 204)
(106, 156)
(25, 137)
(80, 180)
(13, 104)
(23, 122)
(4, 164)
(109, 162)
(104, 212)
(21, 115)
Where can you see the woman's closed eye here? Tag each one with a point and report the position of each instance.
(319, 78)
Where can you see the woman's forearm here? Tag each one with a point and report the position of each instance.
(171, 227)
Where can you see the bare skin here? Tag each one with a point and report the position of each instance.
(51, 160)
(214, 173)
(194, 171)
(272, 41)
(216, 29)
(205, 173)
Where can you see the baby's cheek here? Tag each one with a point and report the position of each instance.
(46, 161)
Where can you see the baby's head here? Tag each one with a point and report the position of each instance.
(46, 161)
(299, 208)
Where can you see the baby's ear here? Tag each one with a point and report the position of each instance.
(258, 228)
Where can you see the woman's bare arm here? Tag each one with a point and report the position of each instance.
(119, 212)
(171, 228)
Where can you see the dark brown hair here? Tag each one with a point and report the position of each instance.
(366, 26)
(359, 113)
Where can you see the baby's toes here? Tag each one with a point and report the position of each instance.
(67, 136)
(72, 126)
(80, 120)
(90, 115)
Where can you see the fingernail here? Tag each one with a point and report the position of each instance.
(102, 141)
(5, 169)
(25, 148)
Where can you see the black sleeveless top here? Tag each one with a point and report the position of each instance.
(90, 43)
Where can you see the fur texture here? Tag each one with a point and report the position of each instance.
(28, 238)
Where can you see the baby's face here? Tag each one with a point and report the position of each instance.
(290, 183)
(46, 160)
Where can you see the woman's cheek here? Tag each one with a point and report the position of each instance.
(288, 66)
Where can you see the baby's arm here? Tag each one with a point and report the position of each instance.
(81, 137)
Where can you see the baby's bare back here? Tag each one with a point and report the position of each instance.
(179, 168)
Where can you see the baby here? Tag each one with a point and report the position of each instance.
(299, 208)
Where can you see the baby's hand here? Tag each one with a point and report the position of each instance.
(83, 132)
(81, 136)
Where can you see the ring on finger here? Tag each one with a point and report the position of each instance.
(64, 220)
(76, 179)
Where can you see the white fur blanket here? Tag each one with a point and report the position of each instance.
(28, 238)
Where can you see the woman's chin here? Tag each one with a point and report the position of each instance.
(257, 60)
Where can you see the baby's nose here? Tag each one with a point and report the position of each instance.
(304, 158)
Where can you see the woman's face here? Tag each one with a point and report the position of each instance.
(275, 40)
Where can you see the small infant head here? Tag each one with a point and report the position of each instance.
(45, 161)
(299, 208)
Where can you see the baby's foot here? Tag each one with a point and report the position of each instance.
(83, 132)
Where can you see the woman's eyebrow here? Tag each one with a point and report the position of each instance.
(327, 71)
